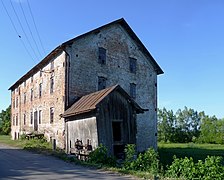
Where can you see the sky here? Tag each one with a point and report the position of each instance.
(185, 37)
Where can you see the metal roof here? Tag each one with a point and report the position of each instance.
(89, 102)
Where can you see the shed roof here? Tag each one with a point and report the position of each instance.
(89, 102)
(62, 47)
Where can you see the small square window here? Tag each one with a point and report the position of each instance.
(133, 90)
(101, 83)
(102, 55)
(133, 65)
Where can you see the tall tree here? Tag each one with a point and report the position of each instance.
(5, 121)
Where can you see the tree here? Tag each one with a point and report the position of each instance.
(5, 121)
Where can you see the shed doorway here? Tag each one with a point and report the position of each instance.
(118, 146)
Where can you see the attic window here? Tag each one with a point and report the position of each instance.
(102, 55)
(133, 65)
(101, 83)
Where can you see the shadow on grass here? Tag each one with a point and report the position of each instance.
(166, 154)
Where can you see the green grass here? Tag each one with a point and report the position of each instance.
(196, 151)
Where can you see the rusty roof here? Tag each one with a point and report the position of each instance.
(63, 46)
(89, 102)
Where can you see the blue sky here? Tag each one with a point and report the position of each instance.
(184, 36)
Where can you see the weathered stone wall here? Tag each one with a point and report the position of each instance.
(85, 69)
(44, 103)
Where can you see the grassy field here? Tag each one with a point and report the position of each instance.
(196, 151)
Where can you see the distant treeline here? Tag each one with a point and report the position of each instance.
(188, 125)
(5, 123)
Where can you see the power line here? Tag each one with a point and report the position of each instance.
(29, 27)
(23, 29)
(14, 27)
(36, 27)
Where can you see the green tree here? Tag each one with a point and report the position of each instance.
(5, 121)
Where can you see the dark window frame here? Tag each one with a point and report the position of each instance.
(132, 65)
(101, 82)
(133, 90)
(51, 85)
(40, 116)
(31, 118)
(102, 55)
(40, 90)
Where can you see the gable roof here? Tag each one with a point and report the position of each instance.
(62, 47)
(89, 102)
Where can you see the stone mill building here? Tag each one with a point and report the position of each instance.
(99, 87)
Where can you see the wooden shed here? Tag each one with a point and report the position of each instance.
(105, 117)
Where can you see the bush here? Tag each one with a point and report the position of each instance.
(147, 161)
(100, 156)
(187, 169)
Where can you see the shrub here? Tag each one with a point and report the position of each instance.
(147, 161)
(100, 156)
(187, 169)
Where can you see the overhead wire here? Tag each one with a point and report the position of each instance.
(29, 28)
(23, 30)
(36, 28)
(14, 27)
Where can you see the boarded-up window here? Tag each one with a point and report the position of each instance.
(51, 115)
(133, 90)
(102, 55)
(101, 83)
(133, 65)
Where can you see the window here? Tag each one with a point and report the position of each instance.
(14, 104)
(101, 83)
(31, 117)
(102, 55)
(16, 119)
(41, 73)
(133, 65)
(24, 118)
(52, 65)
(40, 89)
(24, 98)
(51, 115)
(51, 85)
(13, 120)
(133, 90)
(31, 79)
(25, 83)
(17, 101)
(40, 116)
(31, 95)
